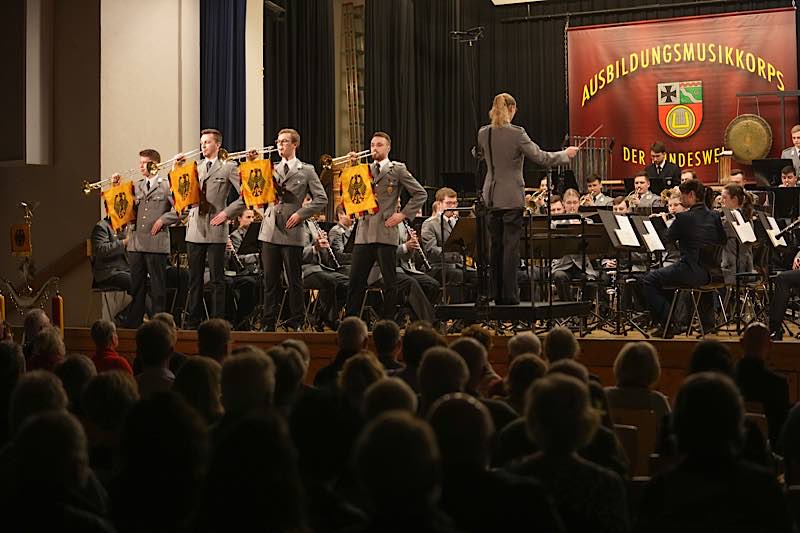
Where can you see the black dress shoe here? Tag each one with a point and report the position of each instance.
(776, 335)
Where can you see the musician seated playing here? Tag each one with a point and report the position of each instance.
(694, 231)
(241, 273)
(435, 232)
(320, 271)
(570, 267)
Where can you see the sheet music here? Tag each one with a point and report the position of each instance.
(625, 233)
(651, 238)
(774, 229)
(743, 229)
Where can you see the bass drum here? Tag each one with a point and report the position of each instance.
(749, 137)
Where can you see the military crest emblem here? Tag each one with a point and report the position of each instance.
(357, 189)
(680, 107)
(121, 205)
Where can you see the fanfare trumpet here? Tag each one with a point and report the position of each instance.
(151, 168)
(224, 155)
(329, 162)
(586, 199)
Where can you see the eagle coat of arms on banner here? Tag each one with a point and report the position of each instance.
(680, 107)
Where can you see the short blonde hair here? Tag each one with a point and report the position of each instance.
(293, 135)
(637, 365)
(500, 113)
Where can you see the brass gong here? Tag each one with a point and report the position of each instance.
(750, 137)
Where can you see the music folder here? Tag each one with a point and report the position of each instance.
(250, 244)
(771, 228)
(743, 230)
(620, 231)
(646, 227)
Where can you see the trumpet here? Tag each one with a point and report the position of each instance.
(224, 155)
(632, 199)
(153, 168)
(331, 253)
(587, 199)
(422, 255)
(97, 185)
(534, 197)
(330, 163)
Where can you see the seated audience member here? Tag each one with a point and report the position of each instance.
(358, 373)
(561, 420)
(75, 372)
(198, 381)
(164, 453)
(474, 355)
(12, 368)
(523, 371)
(106, 400)
(35, 321)
(398, 468)
(252, 482)
(289, 372)
(441, 372)
(515, 442)
(53, 479)
(477, 498)
(758, 383)
(154, 347)
(214, 339)
(713, 356)
(637, 370)
(47, 349)
(388, 394)
(417, 339)
(386, 336)
(560, 343)
(301, 347)
(248, 386)
(36, 392)
(711, 488)
(104, 335)
(351, 337)
(523, 342)
(177, 358)
(484, 336)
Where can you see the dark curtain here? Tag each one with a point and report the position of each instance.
(298, 75)
(418, 81)
(222, 74)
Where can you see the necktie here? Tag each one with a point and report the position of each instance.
(285, 170)
(208, 165)
(148, 185)
(377, 169)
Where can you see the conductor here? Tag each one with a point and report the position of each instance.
(504, 147)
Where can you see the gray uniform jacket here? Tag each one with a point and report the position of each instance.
(108, 252)
(338, 237)
(301, 180)
(432, 242)
(650, 199)
(505, 187)
(387, 184)
(152, 205)
(217, 183)
(601, 200)
(793, 154)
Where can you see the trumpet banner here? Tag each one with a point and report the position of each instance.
(258, 188)
(184, 186)
(120, 202)
(357, 193)
(21, 240)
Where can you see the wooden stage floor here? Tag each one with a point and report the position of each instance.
(598, 351)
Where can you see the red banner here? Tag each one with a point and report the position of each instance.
(676, 81)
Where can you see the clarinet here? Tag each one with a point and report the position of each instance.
(330, 252)
(422, 256)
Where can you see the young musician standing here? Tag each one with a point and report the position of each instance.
(504, 147)
(282, 231)
(206, 228)
(377, 235)
(148, 245)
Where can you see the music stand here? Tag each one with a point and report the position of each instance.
(177, 245)
(462, 240)
(787, 202)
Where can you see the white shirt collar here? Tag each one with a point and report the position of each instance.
(383, 164)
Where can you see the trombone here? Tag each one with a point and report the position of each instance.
(334, 163)
(224, 155)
